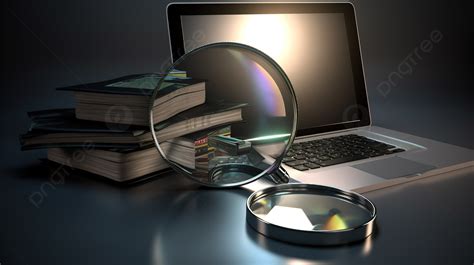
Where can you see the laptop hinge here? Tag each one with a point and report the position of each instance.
(331, 133)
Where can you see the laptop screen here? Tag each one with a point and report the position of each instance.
(312, 48)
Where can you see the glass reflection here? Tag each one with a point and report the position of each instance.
(288, 217)
(310, 212)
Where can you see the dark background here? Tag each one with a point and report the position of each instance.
(49, 44)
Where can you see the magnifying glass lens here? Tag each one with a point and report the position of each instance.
(224, 114)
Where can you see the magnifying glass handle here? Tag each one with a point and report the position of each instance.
(280, 176)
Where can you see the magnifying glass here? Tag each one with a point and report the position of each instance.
(229, 120)
(225, 115)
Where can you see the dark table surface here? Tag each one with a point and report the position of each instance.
(79, 219)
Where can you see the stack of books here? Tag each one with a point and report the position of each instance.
(109, 126)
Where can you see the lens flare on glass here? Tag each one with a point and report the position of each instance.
(335, 222)
(265, 86)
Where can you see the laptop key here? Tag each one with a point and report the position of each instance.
(288, 159)
(301, 168)
(398, 150)
(299, 157)
(382, 146)
(340, 160)
(374, 154)
(296, 147)
(295, 163)
(315, 160)
(323, 157)
(312, 165)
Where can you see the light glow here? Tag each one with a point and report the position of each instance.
(289, 217)
(266, 32)
(335, 222)
(269, 137)
(264, 84)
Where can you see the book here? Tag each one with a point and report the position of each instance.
(122, 165)
(209, 115)
(117, 164)
(126, 100)
(198, 145)
(60, 128)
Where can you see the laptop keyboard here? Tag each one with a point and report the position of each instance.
(335, 150)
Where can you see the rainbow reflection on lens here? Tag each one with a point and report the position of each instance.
(267, 88)
(335, 222)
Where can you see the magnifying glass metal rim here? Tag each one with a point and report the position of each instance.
(278, 160)
(312, 237)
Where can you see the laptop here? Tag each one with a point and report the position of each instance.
(317, 45)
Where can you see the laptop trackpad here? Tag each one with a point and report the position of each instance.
(393, 167)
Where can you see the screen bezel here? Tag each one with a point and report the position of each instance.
(176, 10)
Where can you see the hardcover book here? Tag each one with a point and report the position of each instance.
(126, 100)
(122, 164)
(60, 128)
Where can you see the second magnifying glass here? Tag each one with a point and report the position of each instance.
(224, 115)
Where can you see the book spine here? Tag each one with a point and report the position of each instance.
(201, 147)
